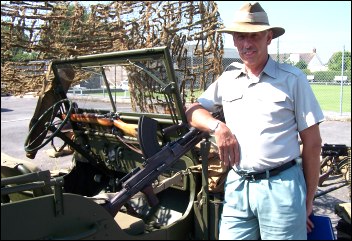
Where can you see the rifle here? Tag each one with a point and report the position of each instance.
(105, 120)
(141, 179)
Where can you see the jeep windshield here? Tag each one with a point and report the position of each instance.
(139, 81)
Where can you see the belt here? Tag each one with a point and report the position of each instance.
(266, 174)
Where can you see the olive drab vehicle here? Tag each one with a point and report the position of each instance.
(137, 173)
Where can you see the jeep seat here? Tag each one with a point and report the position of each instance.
(130, 224)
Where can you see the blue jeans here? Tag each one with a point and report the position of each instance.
(273, 208)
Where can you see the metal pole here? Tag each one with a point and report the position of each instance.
(115, 82)
(108, 88)
(341, 84)
(278, 50)
(202, 36)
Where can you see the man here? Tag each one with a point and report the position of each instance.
(267, 106)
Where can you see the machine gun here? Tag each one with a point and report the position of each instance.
(157, 161)
(332, 160)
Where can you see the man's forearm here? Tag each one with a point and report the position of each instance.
(311, 160)
(199, 117)
(311, 169)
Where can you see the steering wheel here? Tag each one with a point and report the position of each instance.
(45, 123)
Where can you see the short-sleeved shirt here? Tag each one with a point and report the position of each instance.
(265, 114)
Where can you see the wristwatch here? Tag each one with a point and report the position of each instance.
(213, 126)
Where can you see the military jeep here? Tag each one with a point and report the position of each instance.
(139, 171)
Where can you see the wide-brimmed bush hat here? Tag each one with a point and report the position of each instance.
(251, 18)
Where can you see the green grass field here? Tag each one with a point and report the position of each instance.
(328, 97)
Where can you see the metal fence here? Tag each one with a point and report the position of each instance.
(331, 85)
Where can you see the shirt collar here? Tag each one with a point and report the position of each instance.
(239, 72)
(269, 69)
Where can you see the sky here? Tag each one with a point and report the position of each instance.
(323, 25)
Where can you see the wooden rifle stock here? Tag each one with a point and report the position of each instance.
(91, 118)
(127, 129)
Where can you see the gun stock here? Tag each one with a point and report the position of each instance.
(126, 128)
(153, 167)
(91, 118)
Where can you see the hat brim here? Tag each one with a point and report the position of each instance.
(252, 28)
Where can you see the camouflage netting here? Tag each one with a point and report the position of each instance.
(47, 30)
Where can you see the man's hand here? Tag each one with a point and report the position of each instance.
(310, 224)
(228, 146)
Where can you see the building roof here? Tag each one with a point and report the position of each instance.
(312, 60)
(296, 57)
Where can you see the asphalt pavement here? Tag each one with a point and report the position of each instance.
(17, 111)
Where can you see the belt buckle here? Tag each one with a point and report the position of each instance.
(252, 177)
(249, 176)
(246, 175)
(241, 173)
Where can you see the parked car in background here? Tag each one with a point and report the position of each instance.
(124, 85)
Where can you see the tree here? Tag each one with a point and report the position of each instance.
(335, 62)
(18, 34)
(301, 64)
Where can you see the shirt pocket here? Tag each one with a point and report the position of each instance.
(271, 96)
(274, 104)
(231, 95)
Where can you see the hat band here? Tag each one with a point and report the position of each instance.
(258, 17)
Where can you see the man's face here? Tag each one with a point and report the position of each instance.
(252, 47)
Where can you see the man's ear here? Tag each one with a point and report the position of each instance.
(233, 38)
(269, 37)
